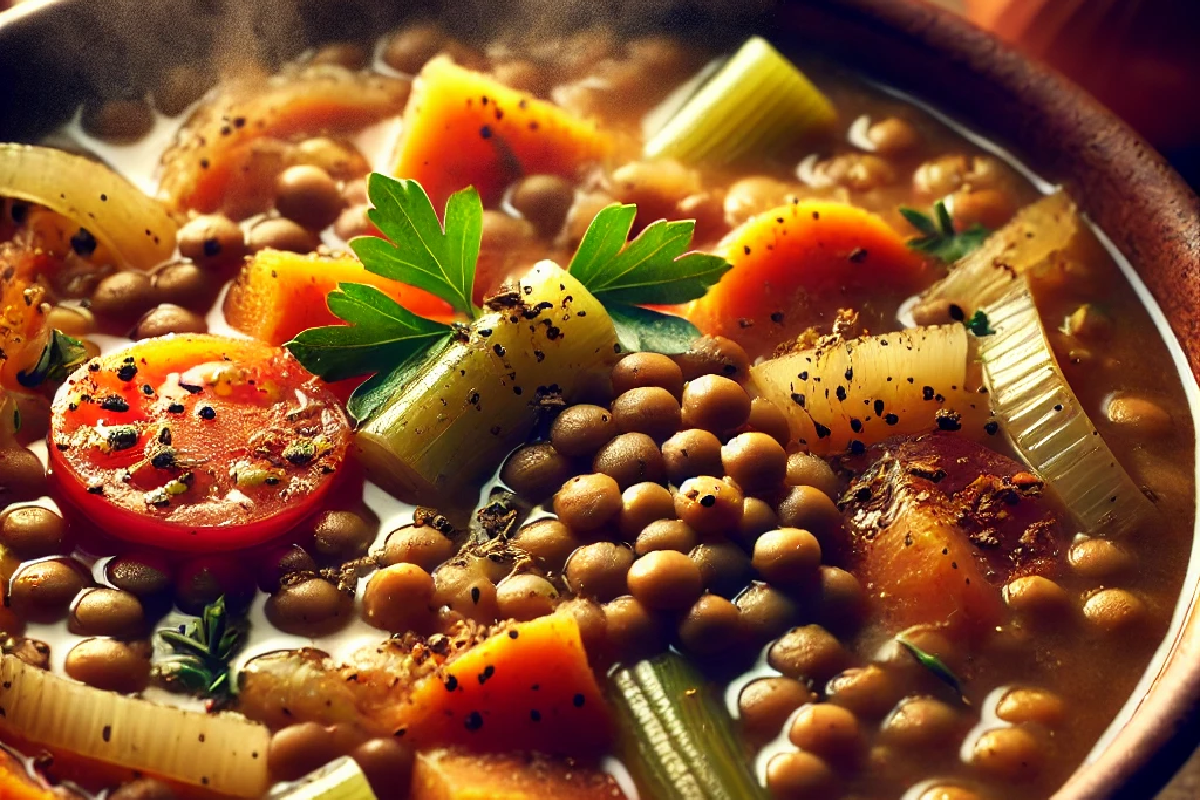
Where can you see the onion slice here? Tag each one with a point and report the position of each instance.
(135, 227)
(1046, 423)
(850, 394)
(1034, 238)
(225, 753)
(340, 779)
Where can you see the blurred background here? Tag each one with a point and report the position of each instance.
(1140, 57)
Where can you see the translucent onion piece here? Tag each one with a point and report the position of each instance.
(1036, 236)
(224, 753)
(341, 779)
(1048, 426)
(757, 103)
(135, 227)
(866, 390)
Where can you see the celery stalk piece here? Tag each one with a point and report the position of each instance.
(757, 102)
(469, 404)
(676, 738)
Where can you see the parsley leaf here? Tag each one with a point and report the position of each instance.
(934, 665)
(423, 253)
(381, 334)
(646, 330)
(60, 355)
(979, 324)
(376, 390)
(654, 268)
(938, 237)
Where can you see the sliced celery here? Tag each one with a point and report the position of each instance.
(676, 738)
(758, 101)
(469, 404)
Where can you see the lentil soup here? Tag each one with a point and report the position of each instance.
(578, 417)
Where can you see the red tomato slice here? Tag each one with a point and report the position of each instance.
(196, 442)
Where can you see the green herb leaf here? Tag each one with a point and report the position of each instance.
(934, 665)
(204, 652)
(979, 324)
(938, 237)
(60, 355)
(381, 334)
(644, 330)
(184, 644)
(602, 243)
(421, 252)
(651, 269)
(375, 391)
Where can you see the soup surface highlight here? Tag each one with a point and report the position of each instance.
(575, 417)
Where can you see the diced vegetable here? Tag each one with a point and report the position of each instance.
(451, 775)
(24, 332)
(279, 294)
(462, 408)
(134, 227)
(937, 524)
(800, 258)
(223, 753)
(1033, 238)
(463, 128)
(847, 395)
(757, 103)
(1048, 425)
(676, 738)
(17, 784)
(526, 688)
(341, 779)
(196, 442)
(213, 153)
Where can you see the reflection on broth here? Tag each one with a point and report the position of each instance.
(874, 479)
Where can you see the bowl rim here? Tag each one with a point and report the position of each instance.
(1118, 180)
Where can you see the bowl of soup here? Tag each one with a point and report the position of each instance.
(754, 400)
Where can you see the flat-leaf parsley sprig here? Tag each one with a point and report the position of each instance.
(387, 340)
(938, 236)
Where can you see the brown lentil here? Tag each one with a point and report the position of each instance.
(690, 453)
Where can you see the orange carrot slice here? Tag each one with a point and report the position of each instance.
(462, 128)
(803, 256)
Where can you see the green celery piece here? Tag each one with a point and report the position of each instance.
(372, 393)
(645, 330)
(382, 333)
(421, 252)
(675, 736)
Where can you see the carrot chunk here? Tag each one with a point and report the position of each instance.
(801, 258)
(526, 688)
(279, 294)
(451, 775)
(462, 128)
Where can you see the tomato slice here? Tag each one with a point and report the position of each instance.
(196, 442)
